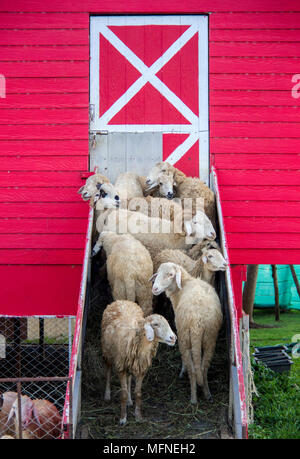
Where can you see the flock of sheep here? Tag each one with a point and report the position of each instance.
(152, 230)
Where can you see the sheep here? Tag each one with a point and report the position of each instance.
(129, 343)
(157, 234)
(186, 187)
(196, 251)
(156, 207)
(89, 190)
(127, 186)
(6, 401)
(204, 268)
(163, 186)
(129, 267)
(6, 437)
(198, 319)
(39, 418)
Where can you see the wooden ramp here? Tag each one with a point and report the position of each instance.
(226, 375)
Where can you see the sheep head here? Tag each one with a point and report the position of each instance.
(162, 176)
(106, 197)
(200, 227)
(154, 173)
(214, 260)
(157, 326)
(88, 190)
(167, 279)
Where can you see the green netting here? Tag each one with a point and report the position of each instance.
(288, 296)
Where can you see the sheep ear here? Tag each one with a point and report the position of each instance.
(188, 228)
(178, 278)
(149, 332)
(153, 277)
(80, 189)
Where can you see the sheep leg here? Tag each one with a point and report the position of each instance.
(207, 356)
(107, 387)
(124, 397)
(144, 298)
(138, 397)
(188, 363)
(183, 370)
(129, 399)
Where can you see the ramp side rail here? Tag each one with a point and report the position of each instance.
(237, 388)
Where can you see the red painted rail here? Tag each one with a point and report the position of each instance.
(237, 385)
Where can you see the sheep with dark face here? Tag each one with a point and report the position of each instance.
(90, 189)
(129, 343)
(198, 319)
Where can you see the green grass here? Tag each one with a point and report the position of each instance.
(277, 409)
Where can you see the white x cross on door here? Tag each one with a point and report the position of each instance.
(149, 93)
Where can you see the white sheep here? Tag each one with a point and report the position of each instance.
(129, 343)
(39, 419)
(198, 319)
(204, 268)
(6, 402)
(156, 233)
(129, 267)
(196, 251)
(127, 186)
(157, 207)
(186, 187)
(162, 186)
(90, 188)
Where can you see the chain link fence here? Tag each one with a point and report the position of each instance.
(32, 408)
(35, 357)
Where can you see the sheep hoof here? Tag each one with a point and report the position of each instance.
(123, 421)
(107, 397)
(129, 402)
(193, 401)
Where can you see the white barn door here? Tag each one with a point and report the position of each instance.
(149, 93)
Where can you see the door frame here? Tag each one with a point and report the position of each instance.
(199, 127)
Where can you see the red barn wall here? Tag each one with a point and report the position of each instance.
(254, 136)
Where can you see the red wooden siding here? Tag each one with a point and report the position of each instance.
(254, 134)
(43, 151)
(41, 289)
